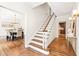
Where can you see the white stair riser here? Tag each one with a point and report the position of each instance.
(39, 50)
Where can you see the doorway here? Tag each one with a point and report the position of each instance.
(62, 27)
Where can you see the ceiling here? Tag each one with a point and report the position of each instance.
(63, 8)
(20, 6)
(59, 8)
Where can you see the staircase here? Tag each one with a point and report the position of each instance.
(38, 43)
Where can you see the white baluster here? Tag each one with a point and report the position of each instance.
(43, 40)
(45, 37)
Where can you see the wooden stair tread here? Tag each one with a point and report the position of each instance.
(40, 33)
(45, 30)
(35, 45)
(38, 36)
(37, 40)
(38, 46)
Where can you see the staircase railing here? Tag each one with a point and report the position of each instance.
(48, 22)
(48, 31)
(44, 24)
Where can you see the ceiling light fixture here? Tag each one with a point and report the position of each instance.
(70, 18)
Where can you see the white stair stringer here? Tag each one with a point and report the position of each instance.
(39, 50)
(41, 44)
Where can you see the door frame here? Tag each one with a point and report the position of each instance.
(59, 26)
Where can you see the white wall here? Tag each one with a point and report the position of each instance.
(35, 19)
(77, 36)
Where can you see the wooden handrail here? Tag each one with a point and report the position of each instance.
(48, 23)
(46, 20)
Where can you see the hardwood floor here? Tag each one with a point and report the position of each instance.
(15, 48)
(59, 47)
